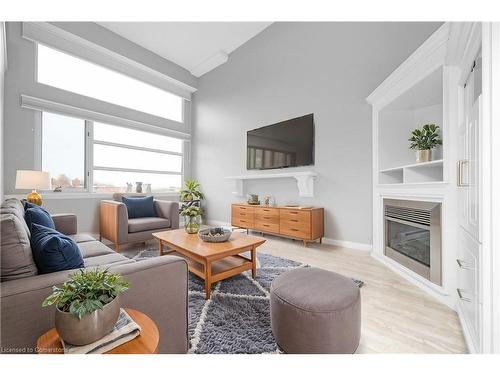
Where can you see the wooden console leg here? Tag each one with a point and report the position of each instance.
(321, 240)
(305, 243)
(117, 248)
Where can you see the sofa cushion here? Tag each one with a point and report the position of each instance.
(54, 251)
(38, 215)
(93, 249)
(15, 251)
(107, 260)
(147, 223)
(81, 237)
(139, 207)
(15, 207)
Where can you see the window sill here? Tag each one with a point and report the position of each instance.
(84, 195)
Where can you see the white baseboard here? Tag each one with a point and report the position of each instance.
(348, 244)
(328, 241)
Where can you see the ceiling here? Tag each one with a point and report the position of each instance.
(196, 46)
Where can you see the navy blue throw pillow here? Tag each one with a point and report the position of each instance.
(53, 251)
(37, 215)
(27, 204)
(139, 206)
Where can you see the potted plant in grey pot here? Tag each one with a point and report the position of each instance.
(190, 197)
(424, 140)
(87, 306)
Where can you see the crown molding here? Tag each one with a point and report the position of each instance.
(210, 63)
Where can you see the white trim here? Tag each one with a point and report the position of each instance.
(412, 70)
(3, 43)
(49, 195)
(210, 63)
(40, 104)
(139, 148)
(53, 36)
(114, 169)
(348, 244)
(495, 183)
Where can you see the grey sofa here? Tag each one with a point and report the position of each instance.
(158, 286)
(115, 225)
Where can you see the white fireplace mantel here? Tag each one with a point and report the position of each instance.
(305, 181)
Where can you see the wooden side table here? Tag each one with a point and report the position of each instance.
(145, 343)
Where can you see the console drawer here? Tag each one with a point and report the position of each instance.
(295, 229)
(267, 227)
(243, 212)
(295, 215)
(266, 212)
(242, 222)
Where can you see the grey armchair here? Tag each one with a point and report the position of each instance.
(119, 229)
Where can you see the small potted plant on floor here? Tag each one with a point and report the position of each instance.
(424, 140)
(87, 306)
(190, 197)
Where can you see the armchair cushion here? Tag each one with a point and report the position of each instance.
(139, 207)
(38, 215)
(147, 223)
(54, 251)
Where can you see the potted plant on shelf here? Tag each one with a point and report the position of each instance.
(87, 306)
(191, 197)
(424, 140)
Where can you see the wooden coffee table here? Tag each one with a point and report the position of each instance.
(209, 261)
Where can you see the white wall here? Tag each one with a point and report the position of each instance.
(289, 70)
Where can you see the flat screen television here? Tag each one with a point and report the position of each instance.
(285, 144)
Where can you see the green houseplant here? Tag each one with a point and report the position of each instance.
(424, 140)
(87, 305)
(191, 197)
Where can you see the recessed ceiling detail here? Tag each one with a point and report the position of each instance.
(196, 46)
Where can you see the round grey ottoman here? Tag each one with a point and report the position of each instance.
(315, 311)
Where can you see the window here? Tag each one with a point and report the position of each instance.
(73, 74)
(121, 156)
(63, 150)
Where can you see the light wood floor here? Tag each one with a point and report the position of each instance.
(397, 317)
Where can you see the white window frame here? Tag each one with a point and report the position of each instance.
(89, 167)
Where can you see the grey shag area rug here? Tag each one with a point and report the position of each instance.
(236, 318)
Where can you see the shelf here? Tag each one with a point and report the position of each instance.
(414, 165)
(416, 173)
(304, 179)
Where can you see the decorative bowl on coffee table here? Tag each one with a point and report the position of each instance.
(216, 234)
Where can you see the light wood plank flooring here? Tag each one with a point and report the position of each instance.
(397, 317)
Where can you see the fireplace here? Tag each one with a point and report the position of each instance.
(413, 236)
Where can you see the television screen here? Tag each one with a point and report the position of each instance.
(288, 143)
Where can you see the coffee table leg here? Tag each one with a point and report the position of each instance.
(208, 277)
(160, 244)
(254, 262)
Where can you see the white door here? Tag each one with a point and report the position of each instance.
(468, 174)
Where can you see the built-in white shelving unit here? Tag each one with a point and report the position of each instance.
(422, 90)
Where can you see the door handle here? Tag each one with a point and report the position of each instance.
(463, 265)
(460, 172)
(461, 296)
